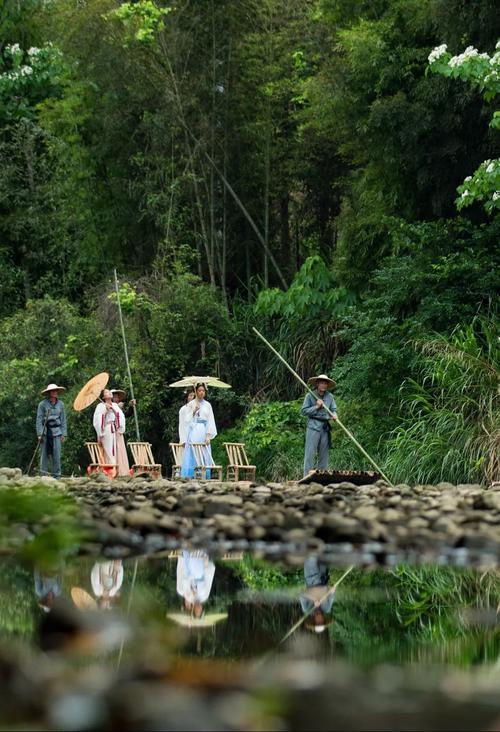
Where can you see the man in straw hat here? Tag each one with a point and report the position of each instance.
(119, 398)
(318, 432)
(51, 429)
(317, 598)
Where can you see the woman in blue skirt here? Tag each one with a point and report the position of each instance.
(200, 427)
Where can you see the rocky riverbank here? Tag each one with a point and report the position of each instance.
(381, 523)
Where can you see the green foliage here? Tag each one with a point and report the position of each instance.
(258, 575)
(28, 78)
(142, 20)
(450, 429)
(174, 141)
(313, 294)
(56, 514)
(482, 71)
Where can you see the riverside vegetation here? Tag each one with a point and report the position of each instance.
(314, 168)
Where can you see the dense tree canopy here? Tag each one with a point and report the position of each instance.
(294, 165)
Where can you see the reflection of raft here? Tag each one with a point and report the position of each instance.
(327, 477)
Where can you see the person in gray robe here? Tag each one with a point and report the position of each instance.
(317, 598)
(318, 431)
(51, 429)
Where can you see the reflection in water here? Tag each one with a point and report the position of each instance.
(404, 615)
(194, 579)
(48, 587)
(317, 599)
(437, 623)
(195, 575)
(106, 579)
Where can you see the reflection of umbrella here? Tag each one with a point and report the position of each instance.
(208, 380)
(82, 599)
(207, 621)
(90, 391)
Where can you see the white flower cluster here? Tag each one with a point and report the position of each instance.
(496, 196)
(470, 52)
(25, 71)
(13, 48)
(437, 53)
(491, 165)
(465, 193)
(33, 51)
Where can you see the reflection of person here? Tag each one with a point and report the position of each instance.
(119, 398)
(189, 395)
(51, 429)
(47, 588)
(200, 427)
(318, 431)
(195, 575)
(106, 579)
(316, 599)
(109, 424)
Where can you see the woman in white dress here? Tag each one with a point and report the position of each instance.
(189, 395)
(195, 575)
(109, 424)
(200, 427)
(106, 579)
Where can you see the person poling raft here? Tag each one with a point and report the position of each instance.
(319, 430)
(331, 414)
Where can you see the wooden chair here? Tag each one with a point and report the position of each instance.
(227, 557)
(143, 459)
(98, 462)
(178, 453)
(200, 466)
(238, 461)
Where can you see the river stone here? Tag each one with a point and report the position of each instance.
(256, 532)
(417, 522)
(141, 518)
(229, 527)
(490, 500)
(342, 525)
(117, 515)
(167, 523)
(447, 526)
(366, 513)
(223, 505)
(390, 515)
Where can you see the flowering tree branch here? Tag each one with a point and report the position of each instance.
(483, 71)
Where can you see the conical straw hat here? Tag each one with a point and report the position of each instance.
(322, 377)
(53, 387)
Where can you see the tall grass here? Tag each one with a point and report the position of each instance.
(451, 428)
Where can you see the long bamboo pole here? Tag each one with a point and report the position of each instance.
(335, 417)
(322, 599)
(125, 349)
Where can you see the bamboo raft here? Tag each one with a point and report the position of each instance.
(328, 477)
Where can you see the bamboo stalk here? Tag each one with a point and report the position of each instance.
(125, 349)
(336, 420)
